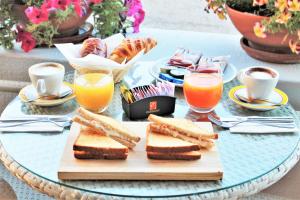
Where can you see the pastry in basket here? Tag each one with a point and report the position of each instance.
(107, 126)
(93, 46)
(130, 48)
(92, 144)
(183, 129)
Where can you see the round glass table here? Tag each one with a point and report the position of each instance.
(251, 162)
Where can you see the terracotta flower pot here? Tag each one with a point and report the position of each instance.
(244, 23)
(67, 28)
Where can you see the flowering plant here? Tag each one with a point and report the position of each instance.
(282, 15)
(43, 18)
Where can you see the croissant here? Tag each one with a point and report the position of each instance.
(130, 48)
(93, 46)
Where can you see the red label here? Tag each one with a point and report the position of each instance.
(153, 105)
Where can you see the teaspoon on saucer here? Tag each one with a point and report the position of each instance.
(246, 100)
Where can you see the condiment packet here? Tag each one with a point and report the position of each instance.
(196, 62)
(141, 92)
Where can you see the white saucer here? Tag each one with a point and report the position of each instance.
(30, 91)
(277, 96)
(228, 75)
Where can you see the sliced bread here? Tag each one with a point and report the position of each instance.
(108, 123)
(93, 155)
(94, 142)
(163, 129)
(183, 126)
(167, 144)
(192, 155)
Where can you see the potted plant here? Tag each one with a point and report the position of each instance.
(38, 22)
(267, 25)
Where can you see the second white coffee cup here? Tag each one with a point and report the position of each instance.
(259, 81)
(47, 78)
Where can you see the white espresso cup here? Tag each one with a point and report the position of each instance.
(259, 81)
(47, 78)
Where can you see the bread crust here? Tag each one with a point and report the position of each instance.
(194, 155)
(109, 156)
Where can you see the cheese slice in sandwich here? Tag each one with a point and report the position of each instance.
(108, 126)
(90, 144)
(167, 144)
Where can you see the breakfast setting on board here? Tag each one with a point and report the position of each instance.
(153, 143)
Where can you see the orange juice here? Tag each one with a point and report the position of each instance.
(203, 91)
(94, 91)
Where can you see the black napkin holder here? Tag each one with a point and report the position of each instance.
(141, 109)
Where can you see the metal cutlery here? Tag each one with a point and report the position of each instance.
(59, 124)
(57, 118)
(263, 121)
(246, 100)
(51, 97)
(258, 118)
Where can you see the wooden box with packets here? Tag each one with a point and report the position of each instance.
(139, 102)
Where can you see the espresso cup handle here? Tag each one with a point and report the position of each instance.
(41, 87)
(241, 75)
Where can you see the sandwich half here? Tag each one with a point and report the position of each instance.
(182, 129)
(165, 147)
(94, 145)
(108, 126)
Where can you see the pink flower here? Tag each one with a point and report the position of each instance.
(135, 10)
(139, 18)
(95, 1)
(47, 5)
(28, 42)
(36, 15)
(78, 7)
(61, 4)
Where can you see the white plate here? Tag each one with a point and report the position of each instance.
(228, 75)
(277, 96)
(45, 102)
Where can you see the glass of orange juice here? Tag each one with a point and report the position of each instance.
(94, 89)
(203, 91)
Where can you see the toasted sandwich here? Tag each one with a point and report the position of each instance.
(108, 126)
(92, 144)
(183, 129)
(165, 147)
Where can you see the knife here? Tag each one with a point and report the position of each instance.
(57, 118)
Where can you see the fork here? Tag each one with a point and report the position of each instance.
(230, 124)
(64, 124)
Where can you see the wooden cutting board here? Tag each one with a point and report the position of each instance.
(138, 166)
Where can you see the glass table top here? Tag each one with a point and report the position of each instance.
(245, 157)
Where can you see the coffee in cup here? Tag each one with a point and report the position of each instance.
(259, 81)
(47, 78)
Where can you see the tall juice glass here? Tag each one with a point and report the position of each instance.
(94, 89)
(203, 91)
